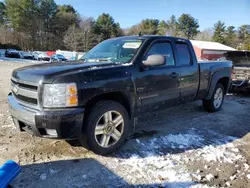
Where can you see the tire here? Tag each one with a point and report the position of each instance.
(104, 140)
(218, 94)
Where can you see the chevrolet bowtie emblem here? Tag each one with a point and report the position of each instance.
(15, 90)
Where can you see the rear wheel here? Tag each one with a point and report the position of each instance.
(106, 127)
(216, 101)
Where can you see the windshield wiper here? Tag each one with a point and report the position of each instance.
(98, 60)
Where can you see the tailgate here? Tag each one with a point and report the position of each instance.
(241, 73)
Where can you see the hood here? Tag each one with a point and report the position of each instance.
(13, 52)
(49, 71)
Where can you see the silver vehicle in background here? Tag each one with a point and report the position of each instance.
(40, 56)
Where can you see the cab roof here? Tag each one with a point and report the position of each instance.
(151, 37)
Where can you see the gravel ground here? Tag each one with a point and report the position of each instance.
(183, 146)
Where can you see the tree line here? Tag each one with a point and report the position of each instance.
(44, 25)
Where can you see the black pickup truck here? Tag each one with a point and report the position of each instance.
(98, 98)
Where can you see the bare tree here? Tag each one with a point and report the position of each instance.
(88, 38)
(205, 35)
(72, 38)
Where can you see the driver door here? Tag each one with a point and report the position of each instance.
(158, 86)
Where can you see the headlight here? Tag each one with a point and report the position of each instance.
(60, 95)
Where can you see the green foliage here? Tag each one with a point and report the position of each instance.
(188, 26)
(134, 30)
(2, 12)
(39, 24)
(162, 28)
(231, 37)
(244, 32)
(21, 14)
(66, 9)
(44, 25)
(9, 46)
(47, 9)
(149, 26)
(244, 37)
(106, 27)
(219, 32)
(173, 29)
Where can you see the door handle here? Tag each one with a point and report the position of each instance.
(174, 75)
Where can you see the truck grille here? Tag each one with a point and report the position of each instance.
(25, 93)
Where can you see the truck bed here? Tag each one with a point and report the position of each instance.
(207, 70)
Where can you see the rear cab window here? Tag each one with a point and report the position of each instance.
(183, 53)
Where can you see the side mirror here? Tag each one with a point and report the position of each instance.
(154, 60)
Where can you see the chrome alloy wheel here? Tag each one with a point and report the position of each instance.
(109, 129)
(218, 98)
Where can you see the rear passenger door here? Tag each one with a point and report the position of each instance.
(189, 78)
(158, 86)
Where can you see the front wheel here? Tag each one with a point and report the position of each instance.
(216, 101)
(106, 127)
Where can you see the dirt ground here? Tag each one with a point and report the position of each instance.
(183, 146)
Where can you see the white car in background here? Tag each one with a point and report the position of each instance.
(41, 56)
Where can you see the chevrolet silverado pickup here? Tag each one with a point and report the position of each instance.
(98, 98)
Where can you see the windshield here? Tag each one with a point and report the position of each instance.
(60, 56)
(114, 50)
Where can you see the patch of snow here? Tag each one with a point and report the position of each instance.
(181, 147)
(209, 177)
(183, 140)
(9, 126)
(153, 164)
(156, 166)
(138, 141)
(248, 176)
(2, 149)
(18, 60)
(228, 184)
(43, 177)
(52, 171)
(220, 153)
(92, 68)
(246, 166)
(236, 150)
(197, 176)
(233, 177)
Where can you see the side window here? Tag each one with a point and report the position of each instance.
(183, 53)
(162, 48)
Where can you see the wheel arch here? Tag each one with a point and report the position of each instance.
(122, 97)
(222, 77)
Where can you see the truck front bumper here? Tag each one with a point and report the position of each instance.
(52, 123)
